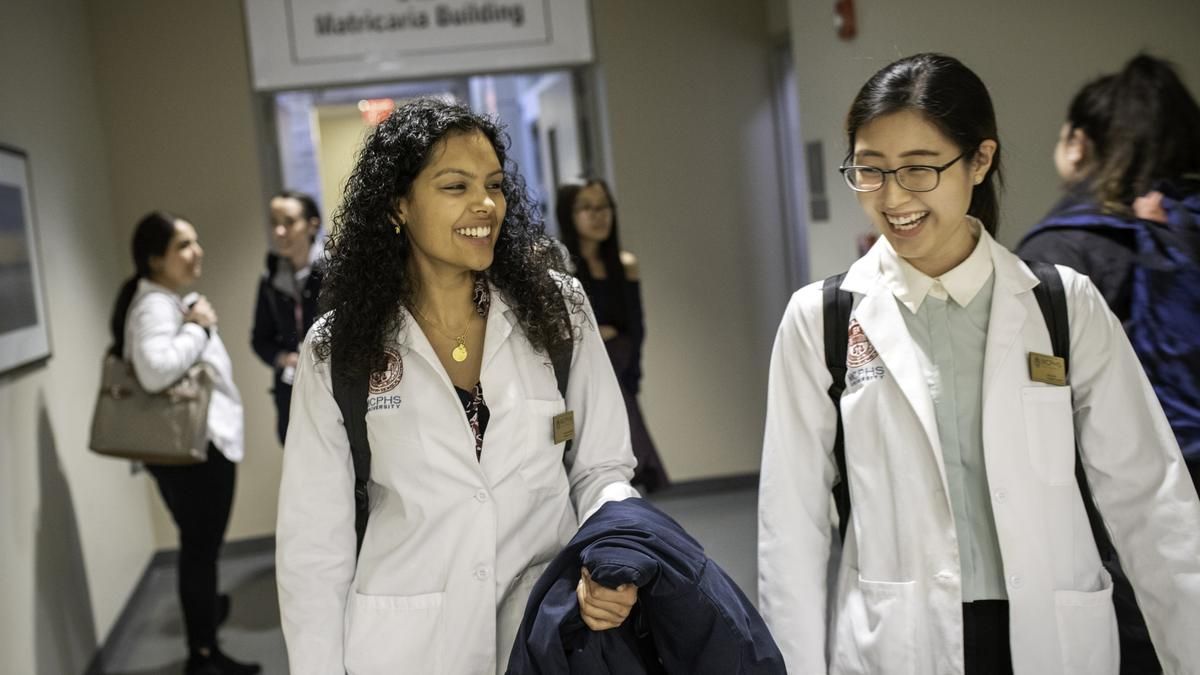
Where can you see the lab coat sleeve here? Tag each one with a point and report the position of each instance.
(1137, 475)
(795, 517)
(600, 464)
(163, 346)
(315, 537)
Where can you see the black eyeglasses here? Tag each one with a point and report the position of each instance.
(914, 177)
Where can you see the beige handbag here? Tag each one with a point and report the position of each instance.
(168, 427)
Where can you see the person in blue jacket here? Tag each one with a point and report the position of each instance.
(287, 293)
(1129, 154)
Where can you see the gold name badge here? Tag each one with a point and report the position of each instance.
(564, 427)
(1048, 369)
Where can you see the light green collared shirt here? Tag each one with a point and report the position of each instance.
(947, 318)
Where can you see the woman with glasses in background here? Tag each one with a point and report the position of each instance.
(587, 223)
(966, 545)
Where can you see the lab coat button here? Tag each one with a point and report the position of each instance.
(1001, 496)
(481, 496)
(1016, 581)
(482, 573)
(944, 575)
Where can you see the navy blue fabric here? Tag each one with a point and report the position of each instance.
(689, 618)
(1163, 290)
(275, 331)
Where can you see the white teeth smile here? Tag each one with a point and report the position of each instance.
(906, 222)
(475, 232)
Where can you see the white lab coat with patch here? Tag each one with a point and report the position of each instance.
(453, 544)
(897, 608)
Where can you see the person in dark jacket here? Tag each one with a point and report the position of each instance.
(690, 616)
(287, 293)
(587, 223)
(1129, 154)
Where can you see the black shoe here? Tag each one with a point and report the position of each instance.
(217, 662)
(223, 604)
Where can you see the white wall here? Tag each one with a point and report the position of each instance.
(686, 94)
(75, 529)
(1033, 56)
(179, 119)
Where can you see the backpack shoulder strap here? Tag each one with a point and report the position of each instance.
(560, 358)
(350, 391)
(1052, 300)
(837, 307)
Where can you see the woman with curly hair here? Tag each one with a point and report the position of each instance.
(442, 288)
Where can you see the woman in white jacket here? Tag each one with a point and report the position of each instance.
(163, 335)
(967, 548)
(442, 286)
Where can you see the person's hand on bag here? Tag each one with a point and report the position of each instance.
(201, 313)
(604, 608)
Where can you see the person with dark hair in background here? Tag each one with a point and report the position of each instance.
(163, 334)
(1129, 156)
(288, 293)
(442, 287)
(587, 223)
(967, 544)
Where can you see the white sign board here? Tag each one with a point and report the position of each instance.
(299, 43)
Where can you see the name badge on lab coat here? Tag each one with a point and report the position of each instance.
(564, 427)
(1048, 369)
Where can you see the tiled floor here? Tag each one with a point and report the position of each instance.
(723, 521)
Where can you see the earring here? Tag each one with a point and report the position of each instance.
(402, 222)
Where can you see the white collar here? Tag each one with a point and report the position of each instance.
(962, 283)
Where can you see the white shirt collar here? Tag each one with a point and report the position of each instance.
(911, 286)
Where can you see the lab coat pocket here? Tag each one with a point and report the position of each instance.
(542, 459)
(1087, 630)
(386, 634)
(1050, 433)
(881, 619)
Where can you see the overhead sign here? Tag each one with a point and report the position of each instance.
(297, 43)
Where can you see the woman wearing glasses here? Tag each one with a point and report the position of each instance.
(587, 223)
(967, 548)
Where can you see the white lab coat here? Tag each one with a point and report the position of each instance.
(897, 608)
(453, 545)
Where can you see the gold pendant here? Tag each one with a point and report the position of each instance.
(460, 350)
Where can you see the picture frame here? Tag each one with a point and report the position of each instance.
(24, 330)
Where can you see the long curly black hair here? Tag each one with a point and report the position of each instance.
(368, 279)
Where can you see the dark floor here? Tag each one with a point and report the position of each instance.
(722, 520)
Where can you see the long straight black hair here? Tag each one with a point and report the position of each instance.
(610, 249)
(949, 95)
(151, 238)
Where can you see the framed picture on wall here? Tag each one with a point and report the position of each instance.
(24, 337)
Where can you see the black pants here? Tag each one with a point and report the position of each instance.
(199, 497)
(986, 649)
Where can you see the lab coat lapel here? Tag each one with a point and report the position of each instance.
(414, 342)
(879, 315)
(500, 322)
(1008, 314)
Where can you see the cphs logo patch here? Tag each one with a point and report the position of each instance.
(859, 350)
(386, 380)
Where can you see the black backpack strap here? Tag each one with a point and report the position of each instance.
(1052, 299)
(560, 358)
(350, 391)
(837, 307)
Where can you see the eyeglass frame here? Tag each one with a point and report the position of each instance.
(592, 208)
(884, 173)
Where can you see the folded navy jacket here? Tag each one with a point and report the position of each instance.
(690, 618)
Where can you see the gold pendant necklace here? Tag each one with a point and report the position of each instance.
(459, 353)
